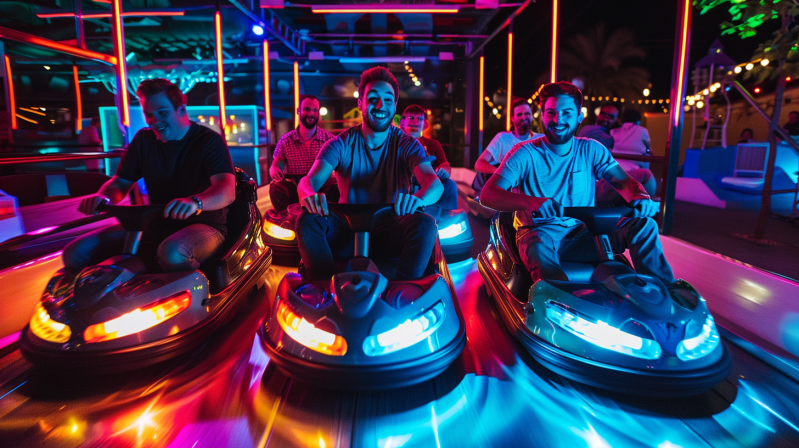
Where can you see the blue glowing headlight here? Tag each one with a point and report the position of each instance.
(258, 30)
(700, 345)
(601, 334)
(452, 230)
(405, 334)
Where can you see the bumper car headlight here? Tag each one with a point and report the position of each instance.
(452, 230)
(307, 334)
(405, 334)
(47, 329)
(700, 345)
(601, 334)
(139, 319)
(278, 232)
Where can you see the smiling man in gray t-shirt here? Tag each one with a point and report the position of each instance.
(560, 170)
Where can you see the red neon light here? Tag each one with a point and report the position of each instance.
(12, 101)
(79, 117)
(106, 15)
(683, 51)
(296, 93)
(267, 104)
(17, 36)
(509, 112)
(480, 113)
(553, 76)
(344, 9)
(220, 73)
(122, 70)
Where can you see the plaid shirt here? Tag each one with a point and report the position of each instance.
(298, 159)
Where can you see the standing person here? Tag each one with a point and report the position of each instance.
(792, 126)
(414, 122)
(89, 140)
(489, 160)
(605, 121)
(295, 153)
(747, 135)
(631, 138)
(185, 166)
(374, 163)
(559, 170)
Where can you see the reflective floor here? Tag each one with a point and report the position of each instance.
(227, 394)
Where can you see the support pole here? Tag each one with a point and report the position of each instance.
(508, 111)
(553, 74)
(297, 93)
(267, 99)
(118, 31)
(79, 35)
(220, 75)
(679, 77)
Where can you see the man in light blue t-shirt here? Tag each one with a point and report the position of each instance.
(559, 170)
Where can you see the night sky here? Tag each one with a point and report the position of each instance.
(652, 21)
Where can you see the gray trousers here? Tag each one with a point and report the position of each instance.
(541, 248)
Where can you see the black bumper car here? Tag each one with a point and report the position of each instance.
(359, 330)
(116, 316)
(607, 326)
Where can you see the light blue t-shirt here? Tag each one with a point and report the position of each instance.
(502, 143)
(568, 179)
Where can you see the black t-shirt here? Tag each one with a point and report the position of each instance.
(178, 169)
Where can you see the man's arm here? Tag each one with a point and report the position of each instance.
(485, 163)
(220, 194)
(114, 190)
(309, 186)
(632, 191)
(496, 195)
(429, 192)
(277, 168)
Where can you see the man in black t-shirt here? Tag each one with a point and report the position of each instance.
(187, 167)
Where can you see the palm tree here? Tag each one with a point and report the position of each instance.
(598, 61)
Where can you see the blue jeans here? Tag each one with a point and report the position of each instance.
(449, 198)
(183, 250)
(542, 247)
(412, 237)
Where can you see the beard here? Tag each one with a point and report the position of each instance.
(377, 126)
(523, 127)
(560, 138)
(308, 122)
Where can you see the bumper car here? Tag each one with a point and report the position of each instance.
(279, 234)
(116, 316)
(454, 232)
(607, 326)
(359, 330)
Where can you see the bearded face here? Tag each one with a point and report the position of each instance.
(561, 118)
(378, 105)
(522, 119)
(309, 113)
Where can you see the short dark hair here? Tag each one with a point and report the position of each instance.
(414, 109)
(519, 102)
(150, 87)
(609, 105)
(559, 88)
(631, 116)
(378, 74)
(308, 97)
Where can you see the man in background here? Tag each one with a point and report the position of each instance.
(89, 141)
(605, 121)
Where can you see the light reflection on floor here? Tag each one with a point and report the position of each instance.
(494, 395)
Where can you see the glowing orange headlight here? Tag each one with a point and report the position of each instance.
(139, 319)
(306, 334)
(45, 328)
(278, 232)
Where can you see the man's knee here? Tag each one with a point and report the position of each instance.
(173, 255)
(309, 222)
(423, 223)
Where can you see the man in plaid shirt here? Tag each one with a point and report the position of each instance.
(295, 154)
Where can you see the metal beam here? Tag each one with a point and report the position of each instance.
(501, 27)
(17, 36)
(292, 41)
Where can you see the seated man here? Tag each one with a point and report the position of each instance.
(559, 170)
(502, 143)
(185, 166)
(374, 163)
(413, 122)
(600, 131)
(295, 153)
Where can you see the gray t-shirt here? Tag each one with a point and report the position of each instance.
(502, 143)
(373, 176)
(568, 179)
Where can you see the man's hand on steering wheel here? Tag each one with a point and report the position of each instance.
(442, 174)
(316, 204)
(181, 208)
(88, 206)
(644, 208)
(406, 204)
(547, 208)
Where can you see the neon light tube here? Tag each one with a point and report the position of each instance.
(379, 59)
(107, 15)
(17, 36)
(79, 114)
(33, 111)
(220, 73)
(11, 100)
(686, 23)
(482, 72)
(122, 70)
(509, 112)
(24, 118)
(553, 76)
(267, 104)
(296, 93)
(388, 9)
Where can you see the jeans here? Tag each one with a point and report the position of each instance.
(183, 250)
(542, 247)
(412, 237)
(449, 198)
(283, 193)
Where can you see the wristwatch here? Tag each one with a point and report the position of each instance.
(199, 203)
